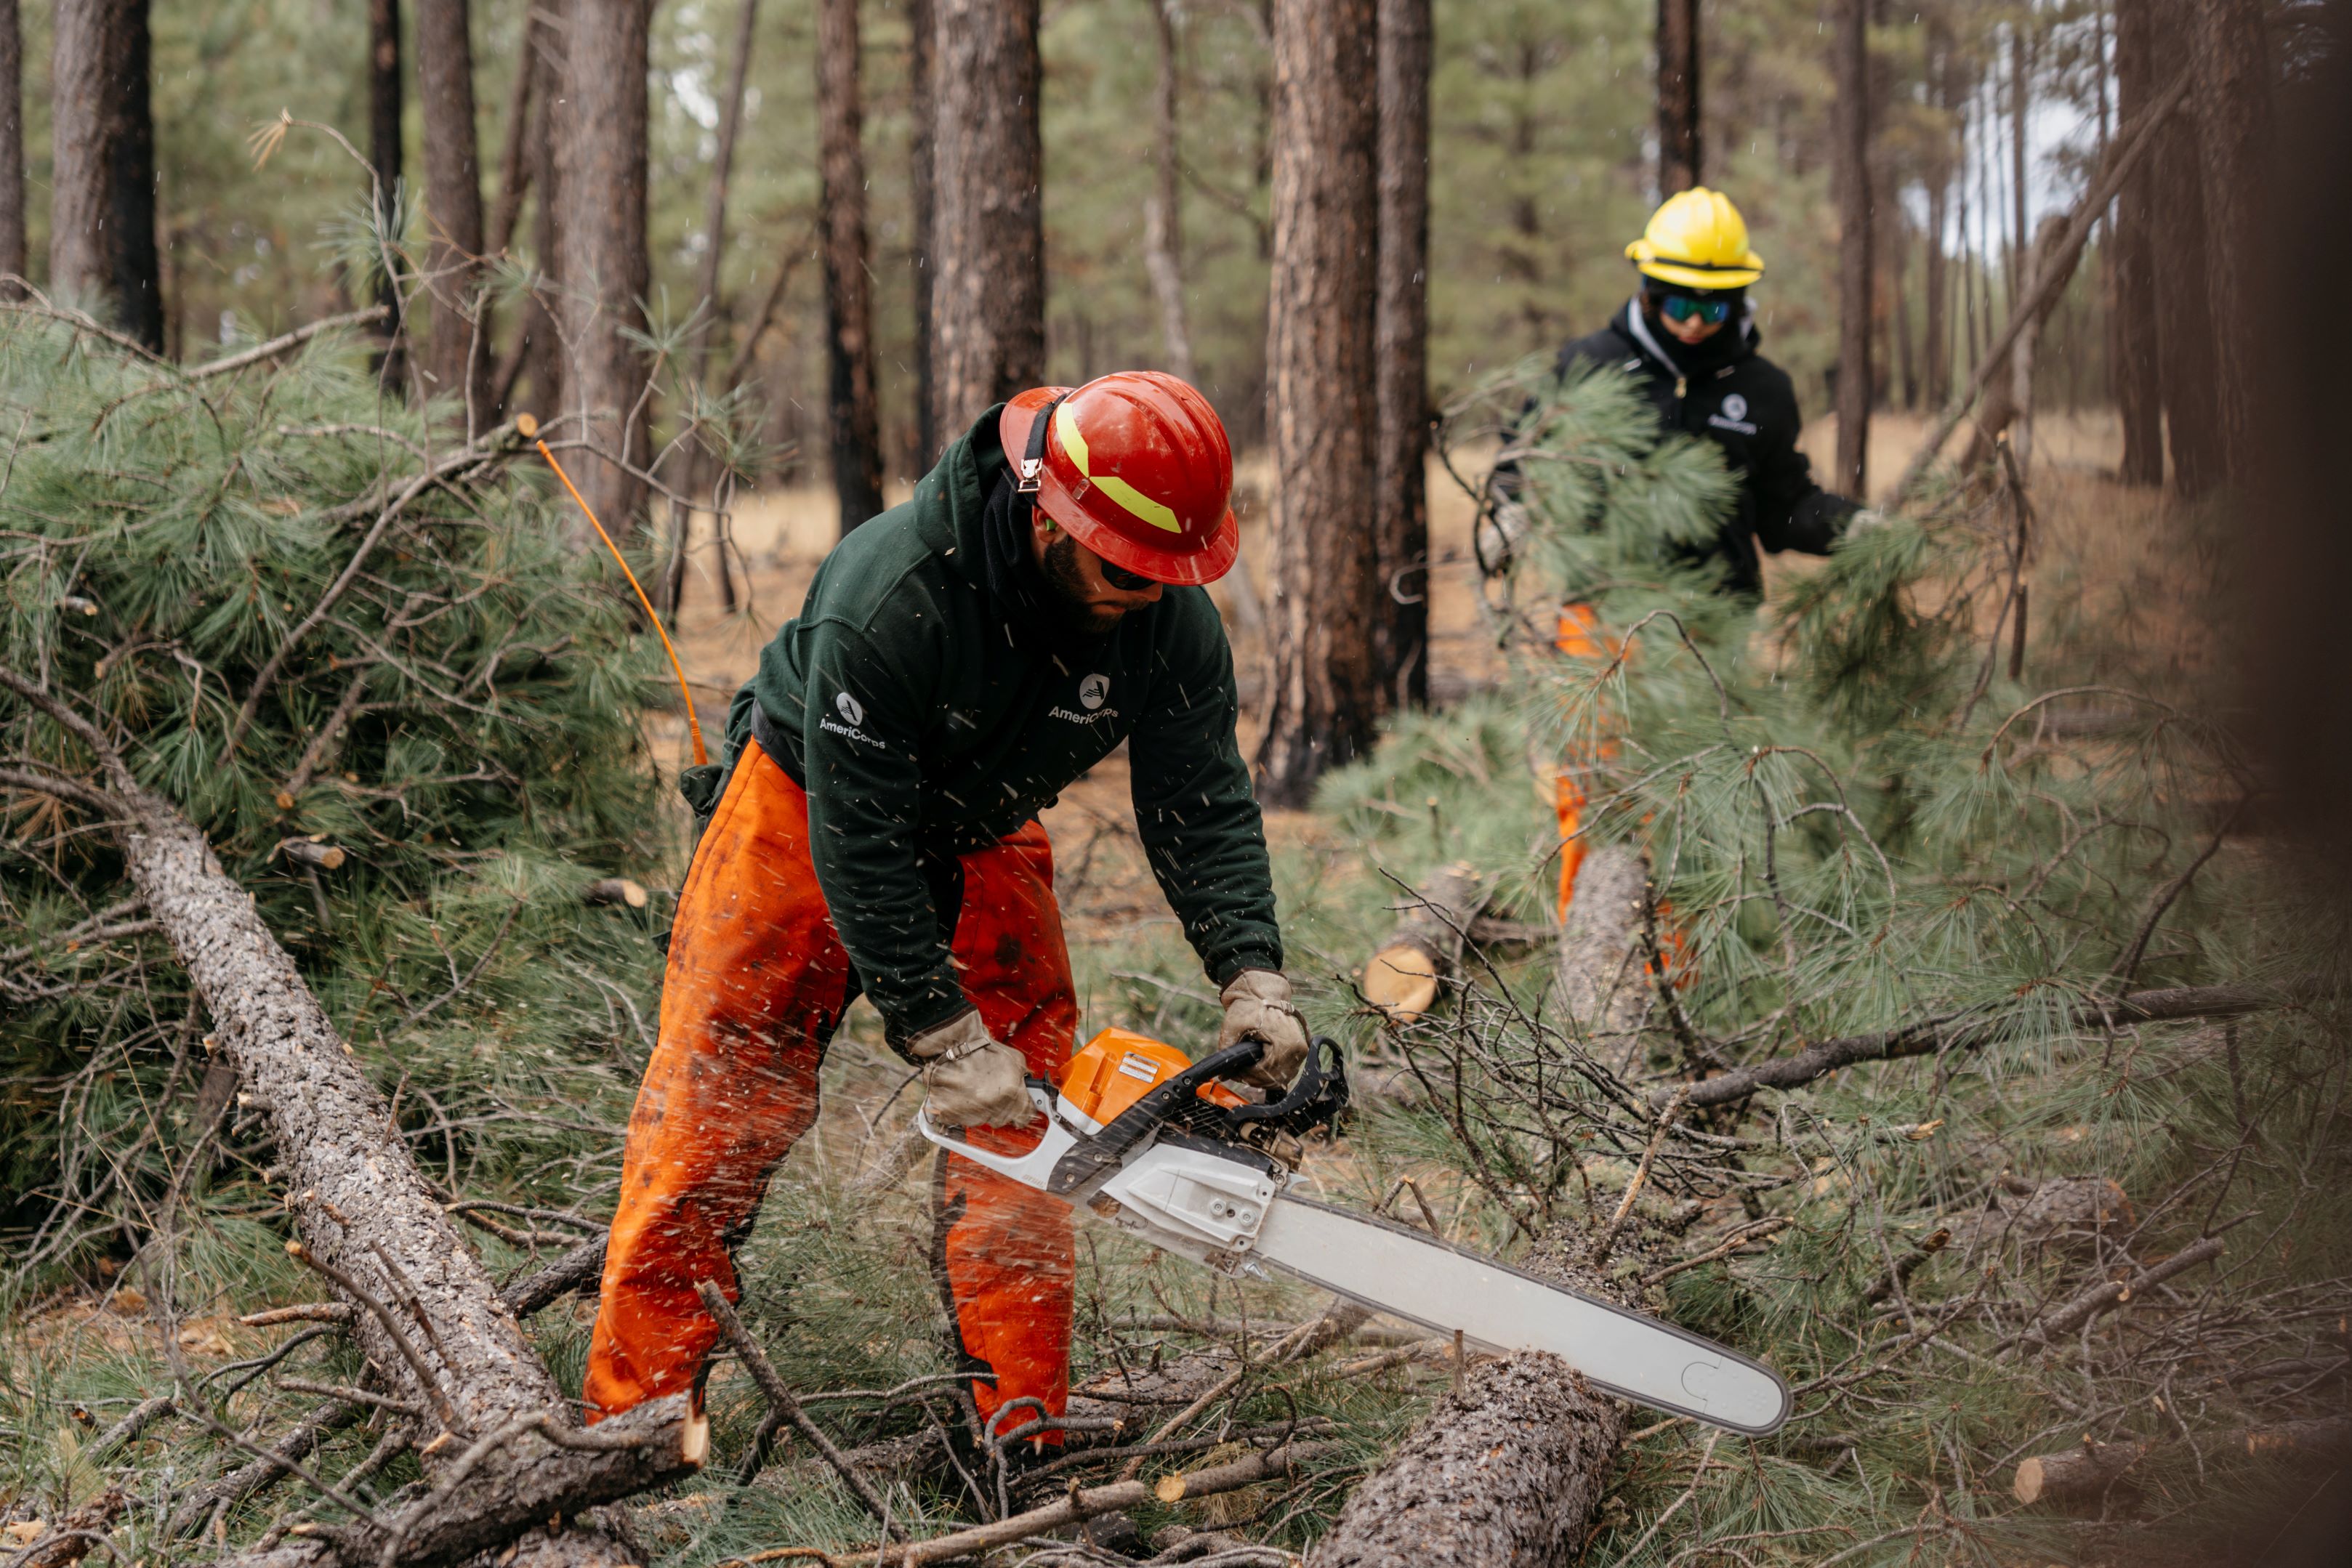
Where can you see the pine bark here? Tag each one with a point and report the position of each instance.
(458, 352)
(1401, 352)
(1321, 403)
(1679, 161)
(12, 146)
(2188, 351)
(600, 151)
(922, 33)
(1851, 153)
(853, 419)
(1511, 1469)
(102, 206)
(2138, 322)
(386, 161)
(1163, 228)
(2233, 124)
(988, 299)
(541, 347)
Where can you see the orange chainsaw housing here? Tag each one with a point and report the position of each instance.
(1119, 1067)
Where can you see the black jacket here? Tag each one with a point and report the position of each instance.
(1724, 390)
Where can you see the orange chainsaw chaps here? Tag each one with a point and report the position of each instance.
(757, 983)
(1579, 636)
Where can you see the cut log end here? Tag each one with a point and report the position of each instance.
(1401, 980)
(618, 889)
(694, 1441)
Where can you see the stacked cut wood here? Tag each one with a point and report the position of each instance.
(1509, 1468)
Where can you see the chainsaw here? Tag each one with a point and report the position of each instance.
(1147, 1139)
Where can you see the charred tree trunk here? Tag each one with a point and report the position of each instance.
(601, 149)
(458, 356)
(102, 208)
(853, 420)
(12, 146)
(2233, 125)
(385, 161)
(1679, 164)
(1851, 152)
(1400, 355)
(2138, 323)
(922, 39)
(2188, 357)
(1325, 689)
(988, 299)
(1163, 228)
(1509, 1470)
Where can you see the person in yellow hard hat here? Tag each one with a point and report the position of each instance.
(1688, 336)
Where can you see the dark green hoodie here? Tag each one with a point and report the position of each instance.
(923, 722)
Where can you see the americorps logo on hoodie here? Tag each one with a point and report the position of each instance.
(850, 708)
(1093, 691)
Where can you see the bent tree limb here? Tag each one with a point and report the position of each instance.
(1933, 1036)
(362, 1210)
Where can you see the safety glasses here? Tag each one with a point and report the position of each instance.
(1126, 581)
(1686, 307)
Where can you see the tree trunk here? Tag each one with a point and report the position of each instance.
(988, 299)
(2188, 355)
(2233, 122)
(1400, 355)
(12, 146)
(1679, 164)
(458, 358)
(1325, 690)
(1852, 172)
(1509, 1471)
(514, 157)
(1164, 229)
(385, 158)
(1937, 360)
(1898, 309)
(2138, 324)
(714, 316)
(541, 347)
(599, 149)
(853, 421)
(923, 37)
(2020, 103)
(102, 207)
(424, 1312)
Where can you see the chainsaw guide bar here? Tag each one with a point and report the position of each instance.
(1182, 1164)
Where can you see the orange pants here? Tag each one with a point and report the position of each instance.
(756, 986)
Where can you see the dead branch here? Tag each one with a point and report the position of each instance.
(1936, 1036)
(2112, 1294)
(780, 1400)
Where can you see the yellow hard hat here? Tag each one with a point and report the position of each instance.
(1697, 240)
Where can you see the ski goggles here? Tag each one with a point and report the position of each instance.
(1689, 307)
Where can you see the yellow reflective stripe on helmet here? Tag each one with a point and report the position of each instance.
(1066, 426)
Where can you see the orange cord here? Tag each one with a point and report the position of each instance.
(693, 725)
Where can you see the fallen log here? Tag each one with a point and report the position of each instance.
(1408, 970)
(1933, 1036)
(1508, 1470)
(2087, 1473)
(367, 1220)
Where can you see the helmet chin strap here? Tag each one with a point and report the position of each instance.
(1032, 463)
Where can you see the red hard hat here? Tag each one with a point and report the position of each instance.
(1136, 466)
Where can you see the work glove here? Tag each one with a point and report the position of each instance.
(1499, 536)
(1861, 521)
(1257, 1004)
(971, 1079)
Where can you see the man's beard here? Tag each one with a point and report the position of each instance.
(1065, 587)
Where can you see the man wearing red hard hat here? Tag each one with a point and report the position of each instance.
(960, 661)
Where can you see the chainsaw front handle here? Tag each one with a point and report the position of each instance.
(1034, 1169)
